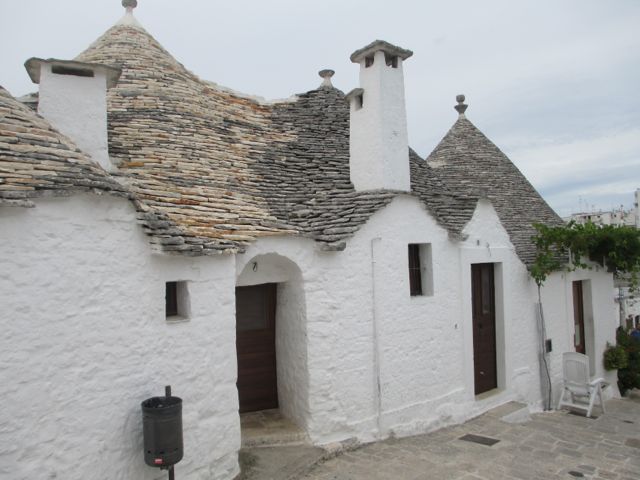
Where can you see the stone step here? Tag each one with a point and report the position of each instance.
(270, 428)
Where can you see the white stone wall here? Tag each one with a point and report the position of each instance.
(382, 362)
(85, 341)
(379, 144)
(600, 320)
(77, 107)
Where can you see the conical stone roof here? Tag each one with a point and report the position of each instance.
(211, 170)
(469, 163)
(184, 147)
(214, 169)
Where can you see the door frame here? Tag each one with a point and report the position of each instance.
(505, 290)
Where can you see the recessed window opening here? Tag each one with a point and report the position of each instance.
(420, 270)
(391, 60)
(359, 99)
(368, 61)
(177, 305)
(76, 72)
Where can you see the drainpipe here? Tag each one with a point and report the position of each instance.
(376, 342)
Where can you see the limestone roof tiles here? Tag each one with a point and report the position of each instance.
(36, 160)
(211, 170)
(218, 169)
(469, 163)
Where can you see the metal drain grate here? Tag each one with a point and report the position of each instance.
(470, 437)
(573, 473)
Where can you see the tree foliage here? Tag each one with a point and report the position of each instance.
(629, 375)
(572, 246)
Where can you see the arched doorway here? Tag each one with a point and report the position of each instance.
(271, 338)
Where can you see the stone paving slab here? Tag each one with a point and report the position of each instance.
(552, 445)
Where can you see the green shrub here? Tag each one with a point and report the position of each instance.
(629, 377)
(615, 357)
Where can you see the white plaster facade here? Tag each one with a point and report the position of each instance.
(87, 339)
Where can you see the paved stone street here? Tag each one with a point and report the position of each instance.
(556, 445)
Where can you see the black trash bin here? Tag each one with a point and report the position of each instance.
(162, 429)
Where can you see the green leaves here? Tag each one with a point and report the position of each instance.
(569, 247)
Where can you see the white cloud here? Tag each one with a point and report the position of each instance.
(549, 162)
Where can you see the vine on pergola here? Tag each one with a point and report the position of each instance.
(572, 246)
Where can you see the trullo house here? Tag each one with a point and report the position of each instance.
(157, 229)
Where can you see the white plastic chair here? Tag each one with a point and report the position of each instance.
(578, 384)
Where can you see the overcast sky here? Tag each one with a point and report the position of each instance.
(554, 83)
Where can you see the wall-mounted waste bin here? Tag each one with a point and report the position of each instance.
(162, 428)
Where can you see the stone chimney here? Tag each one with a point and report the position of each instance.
(379, 144)
(73, 98)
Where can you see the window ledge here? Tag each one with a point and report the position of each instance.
(177, 319)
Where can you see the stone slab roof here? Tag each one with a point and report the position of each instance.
(211, 170)
(217, 169)
(37, 160)
(469, 163)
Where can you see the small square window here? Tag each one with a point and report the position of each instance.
(177, 304)
(420, 270)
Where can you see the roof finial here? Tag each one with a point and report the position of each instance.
(461, 107)
(129, 5)
(326, 75)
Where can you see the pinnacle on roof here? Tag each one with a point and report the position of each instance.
(129, 4)
(128, 18)
(326, 75)
(461, 107)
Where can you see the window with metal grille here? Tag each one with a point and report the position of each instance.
(420, 269)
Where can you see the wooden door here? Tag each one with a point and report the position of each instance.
(256, 347)
(578, 318)
(484, 327)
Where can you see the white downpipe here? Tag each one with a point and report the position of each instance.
(376, 342)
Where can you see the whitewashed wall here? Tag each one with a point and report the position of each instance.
(360, 320)
(600, 319)
(85, 340)
(418, 349)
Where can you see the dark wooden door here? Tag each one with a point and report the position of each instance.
(256, 347)
(578, 317)
(484, 327)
